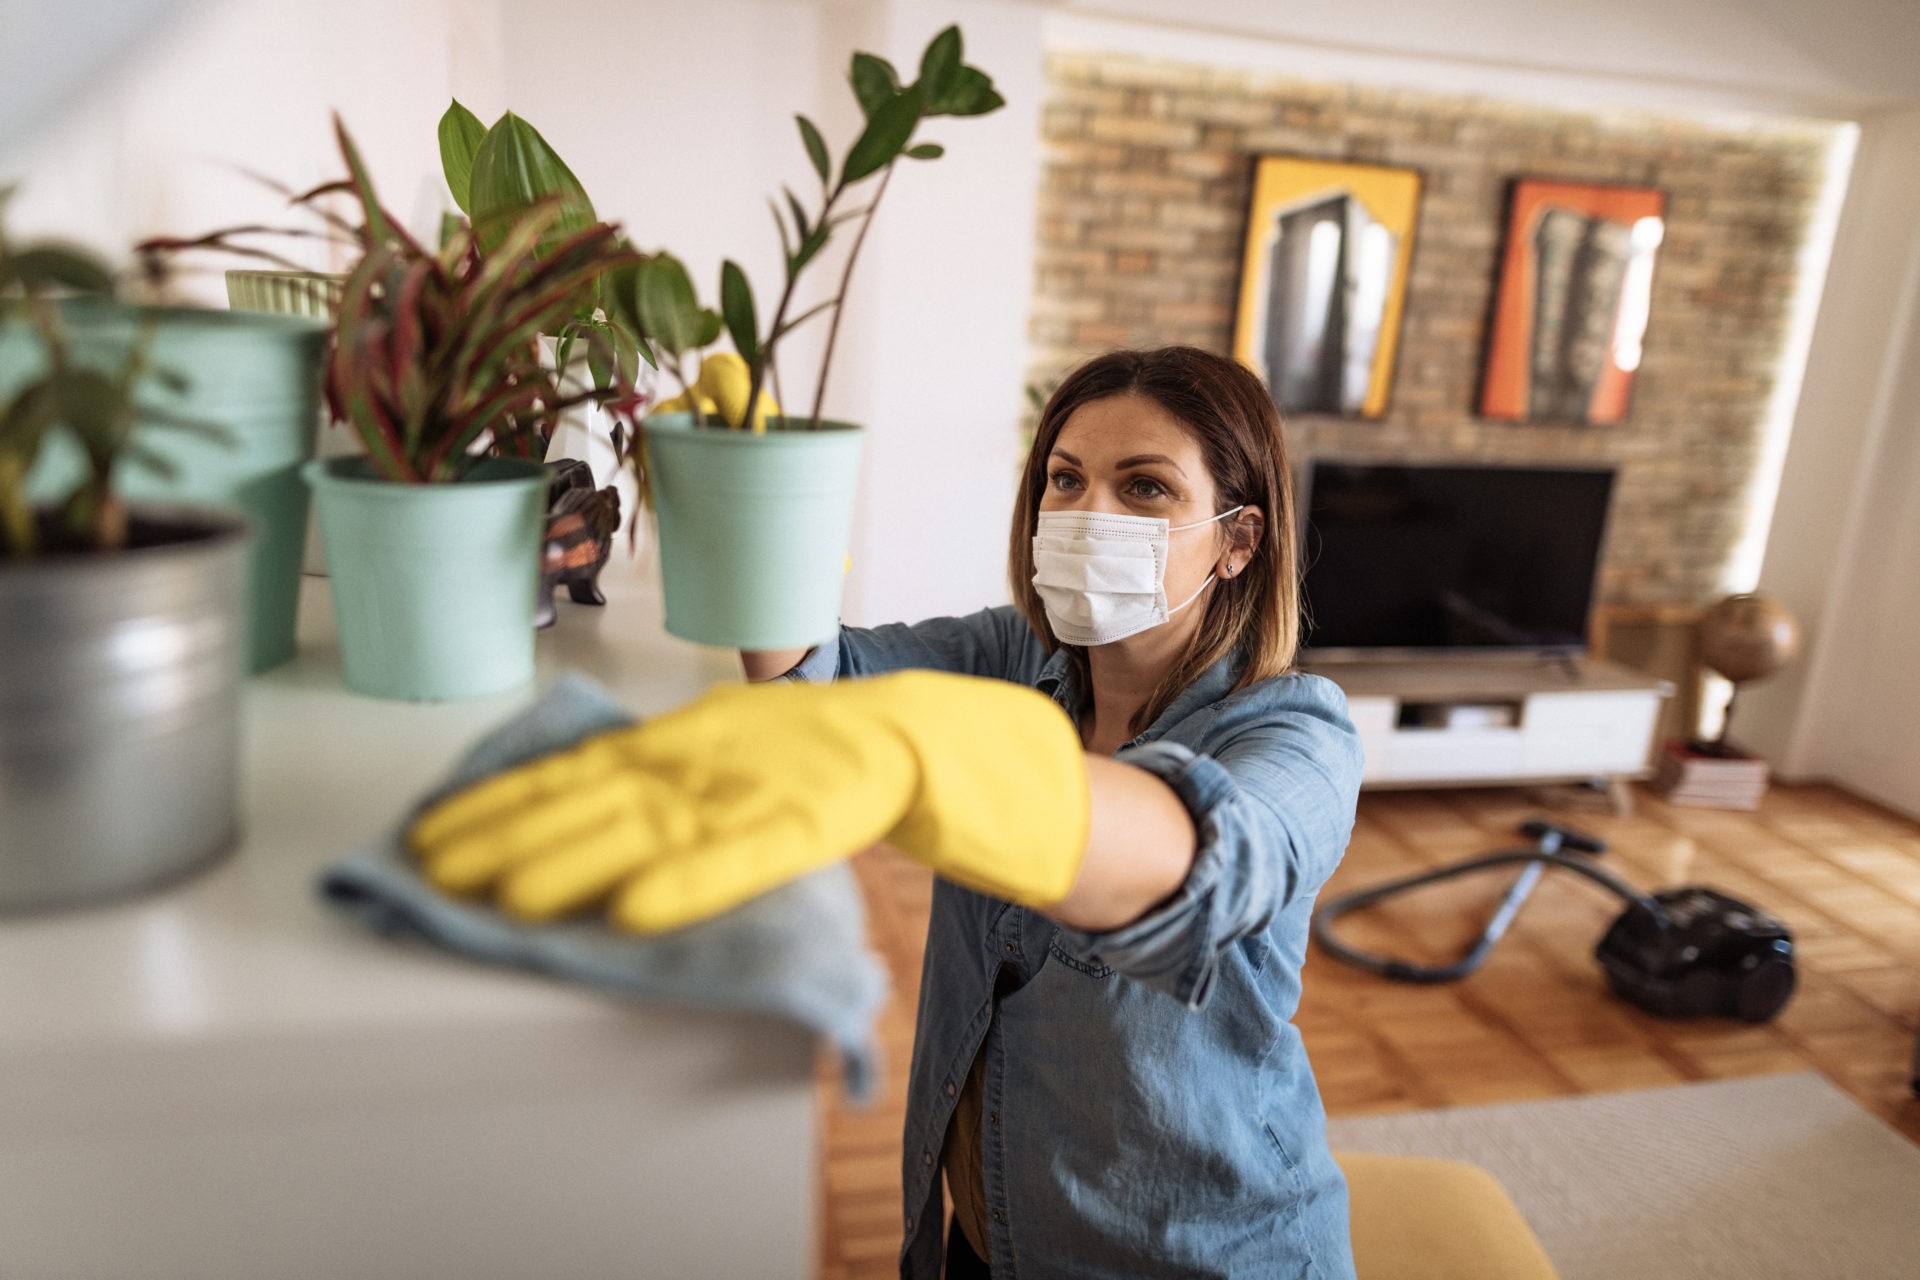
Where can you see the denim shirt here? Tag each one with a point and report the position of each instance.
(1149, 1110)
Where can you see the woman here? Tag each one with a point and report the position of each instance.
(1103, 1066)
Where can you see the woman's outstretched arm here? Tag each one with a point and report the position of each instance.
(1140, 846)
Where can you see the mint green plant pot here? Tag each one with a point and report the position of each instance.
(434, 585)
(754, 529)
(257, 377)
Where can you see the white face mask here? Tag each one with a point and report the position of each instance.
(1104, 577)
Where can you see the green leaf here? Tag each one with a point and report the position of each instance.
(925, 151)
(669, 313)
(617, 295)
(939, 65)
(92, 408)
(813, 244)
(802, 227)
(171, 379)
(378, 229)
(600, 361)
(514, 168)
(460, 136)
(886, 132)
(816, 147)
(707, 329)
(874, 81)
(47, 266)
(971, 94)
(969, 91)
(158, 464)
(786, 241)
(25, 422)
(736, 305)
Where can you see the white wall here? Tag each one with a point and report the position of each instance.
(1844, 550)
(157, 145)
(943, 330)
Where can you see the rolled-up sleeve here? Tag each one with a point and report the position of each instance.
(991, 642)
(1272, 794)
(821, 664)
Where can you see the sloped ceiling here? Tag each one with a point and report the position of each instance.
(1854, 55)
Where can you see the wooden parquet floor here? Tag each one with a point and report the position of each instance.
(1536, 1021)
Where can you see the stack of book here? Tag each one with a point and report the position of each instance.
(1711, 774)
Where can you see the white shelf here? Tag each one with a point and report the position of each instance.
(225, 1080)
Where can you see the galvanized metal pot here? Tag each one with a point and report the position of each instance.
(120, 678)
(255, 376)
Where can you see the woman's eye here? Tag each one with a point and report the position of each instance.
(1145, 488)
(1065, 480)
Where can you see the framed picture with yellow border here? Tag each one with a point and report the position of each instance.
(1323, 281)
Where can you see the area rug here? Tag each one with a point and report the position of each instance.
(1776, 1176)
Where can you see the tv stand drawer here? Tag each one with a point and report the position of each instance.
(1454, 753)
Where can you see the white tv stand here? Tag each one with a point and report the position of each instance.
(1500, 720)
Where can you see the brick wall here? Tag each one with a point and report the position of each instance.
(1147, 175)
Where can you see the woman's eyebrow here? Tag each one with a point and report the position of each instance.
(1139, 458)
(1136, 460)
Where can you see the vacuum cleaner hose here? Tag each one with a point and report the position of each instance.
(1536, 861)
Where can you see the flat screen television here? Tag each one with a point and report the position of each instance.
(1403, 560)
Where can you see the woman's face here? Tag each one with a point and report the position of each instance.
(1126, 455)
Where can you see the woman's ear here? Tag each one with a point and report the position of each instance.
(1244, 530)
(1249, 526)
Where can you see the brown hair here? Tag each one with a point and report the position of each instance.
(1240, 435)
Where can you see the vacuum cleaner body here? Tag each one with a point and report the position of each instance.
(1680, 953)
(1713, 955)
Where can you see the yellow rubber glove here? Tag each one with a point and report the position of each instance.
(728, 379)
(679, 404)
(722, 388)
(694, 812)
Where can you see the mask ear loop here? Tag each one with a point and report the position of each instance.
(1209, 520)
(1211, 579)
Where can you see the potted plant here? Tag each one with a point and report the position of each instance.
(755, 507)
(121, 625)
(254, 375)
(494, 169)
(299, 293)
(432, 538)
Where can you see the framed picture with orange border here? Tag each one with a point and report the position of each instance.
(1323, 281)
(1570, 309)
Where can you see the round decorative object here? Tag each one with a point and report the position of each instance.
(1747, 636)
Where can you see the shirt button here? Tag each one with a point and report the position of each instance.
(999, 1216)
(909, 1224)
(993, 1117)
(1012, 949)
(949, 1088)
(926, 1157)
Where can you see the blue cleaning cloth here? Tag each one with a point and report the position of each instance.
(799, 951)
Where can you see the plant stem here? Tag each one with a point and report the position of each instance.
(839, 300)
(780, 312)
(693, 397)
